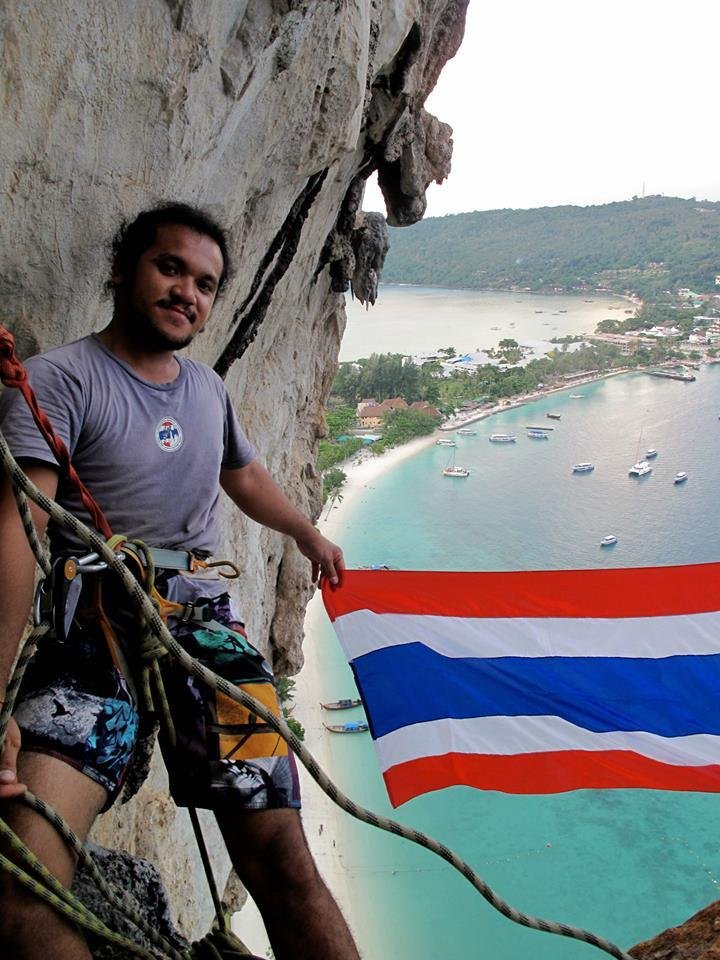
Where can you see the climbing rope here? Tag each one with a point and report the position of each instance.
(13, 374)
(139, 597)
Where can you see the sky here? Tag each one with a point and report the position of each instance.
(571, 102)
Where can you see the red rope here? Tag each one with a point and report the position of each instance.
(13, 374)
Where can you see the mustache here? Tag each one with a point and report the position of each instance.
(170, 302)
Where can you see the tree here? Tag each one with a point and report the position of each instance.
(332, 482)
(402, 425)
(340, 420)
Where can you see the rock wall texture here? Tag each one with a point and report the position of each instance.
(271, 114)
(696, 939)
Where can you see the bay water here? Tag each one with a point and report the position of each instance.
(623, 863)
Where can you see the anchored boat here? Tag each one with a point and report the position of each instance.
(344, 704)
(349, 727)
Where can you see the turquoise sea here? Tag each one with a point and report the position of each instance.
(626, 864)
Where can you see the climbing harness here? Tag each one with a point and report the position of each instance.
(219, 944)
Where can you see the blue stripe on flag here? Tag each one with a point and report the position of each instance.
(672, 697)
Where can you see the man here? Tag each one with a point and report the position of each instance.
(154, 437)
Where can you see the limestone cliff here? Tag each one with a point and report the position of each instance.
(271, 113)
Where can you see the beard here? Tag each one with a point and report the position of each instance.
(145, 331)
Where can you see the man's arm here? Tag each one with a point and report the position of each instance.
(17, 575)
(256, 493)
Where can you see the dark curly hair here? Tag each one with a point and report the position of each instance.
(133, 239)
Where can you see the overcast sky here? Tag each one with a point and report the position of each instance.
(566, 101)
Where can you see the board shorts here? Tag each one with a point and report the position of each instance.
(77, 705)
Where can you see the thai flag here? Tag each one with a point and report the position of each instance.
(537, 682)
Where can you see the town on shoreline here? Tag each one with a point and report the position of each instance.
(387, 400)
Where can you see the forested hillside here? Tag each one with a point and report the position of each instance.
(644, 245)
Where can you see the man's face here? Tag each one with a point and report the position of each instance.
(168, 300)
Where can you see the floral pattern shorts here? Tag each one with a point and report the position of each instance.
(75, 704)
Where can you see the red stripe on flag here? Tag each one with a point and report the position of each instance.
(555, 772)
(630, 592)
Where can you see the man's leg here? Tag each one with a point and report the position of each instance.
(271, 856)
(30, 929)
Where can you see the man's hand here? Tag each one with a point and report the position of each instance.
(325, 556)
(256, 493)
(9, 786)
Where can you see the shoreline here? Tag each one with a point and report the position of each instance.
(601, 294)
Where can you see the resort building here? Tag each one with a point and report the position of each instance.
(373, 414)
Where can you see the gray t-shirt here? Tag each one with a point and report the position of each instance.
(149, 453)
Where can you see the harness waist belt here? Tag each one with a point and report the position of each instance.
(172, 559)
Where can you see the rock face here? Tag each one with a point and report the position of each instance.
(696, 939)
(271, 114)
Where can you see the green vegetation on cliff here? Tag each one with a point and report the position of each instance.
(644, 246)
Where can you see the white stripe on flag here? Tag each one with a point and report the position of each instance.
(501, 736)
(362, 632)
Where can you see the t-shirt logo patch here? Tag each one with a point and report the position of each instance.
(169, 435)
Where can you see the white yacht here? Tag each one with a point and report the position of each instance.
(640, 469)
(466, 432)
(456, 472)
(651, 453)
(445, 443)
(502, 438)
(583, 467)
(538, 434)
(609, 540)
(680, 477)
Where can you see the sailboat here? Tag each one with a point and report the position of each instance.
(452, 471)
(641, 468)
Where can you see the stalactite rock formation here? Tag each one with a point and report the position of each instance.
(271, 114)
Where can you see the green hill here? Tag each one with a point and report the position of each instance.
(642, 245)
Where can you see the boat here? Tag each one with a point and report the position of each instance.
(576, 396)
(609, 540)
(538, 435)
(452, 471)
(583, 467)
(553, 416)
(640, 469)
(352, 726)
(680, 477)
(345, 704)
(532, 426)
(502, 438)
(445, 443)
(651, 453)
(465, 432)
